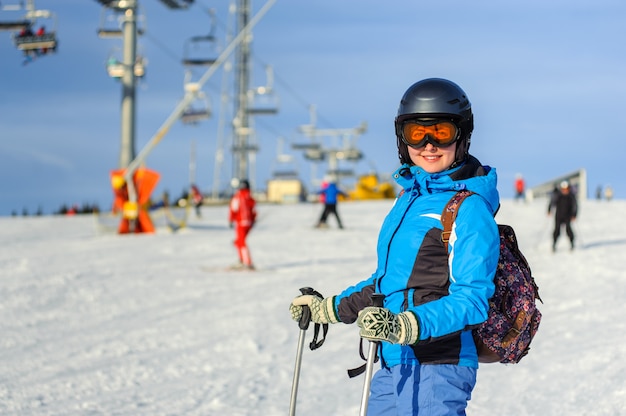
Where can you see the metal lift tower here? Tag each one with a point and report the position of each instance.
(128, 10)
(241, 122)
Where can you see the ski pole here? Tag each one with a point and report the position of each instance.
(377, 300)
(304, 325)
(574, 225)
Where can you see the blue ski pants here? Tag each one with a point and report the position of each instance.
(424, 390)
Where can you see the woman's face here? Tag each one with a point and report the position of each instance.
(431, 158)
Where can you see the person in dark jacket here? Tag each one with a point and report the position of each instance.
(433, 296)
(330, 195)
(565, 207)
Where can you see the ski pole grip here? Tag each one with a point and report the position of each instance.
(378, 299)
(305, 319)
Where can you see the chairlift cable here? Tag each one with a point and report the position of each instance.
(268, 128)
(295, 95)
(161, 46)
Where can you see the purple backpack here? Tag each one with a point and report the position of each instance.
(513, 318)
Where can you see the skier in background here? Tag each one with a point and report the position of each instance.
(330, 194)
(599, 192)
(242, 214)
(196, 199)
(608, 192)
(565, 208)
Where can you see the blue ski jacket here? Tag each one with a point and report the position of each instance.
(447, 291)
(331, 192)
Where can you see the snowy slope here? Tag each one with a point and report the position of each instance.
(101, 324)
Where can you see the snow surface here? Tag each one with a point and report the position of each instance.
(96, 323)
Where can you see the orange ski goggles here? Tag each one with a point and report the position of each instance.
(438, 132)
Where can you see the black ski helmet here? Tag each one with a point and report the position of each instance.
(436, 98)
(244, 184)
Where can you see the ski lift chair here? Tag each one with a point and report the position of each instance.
(107, 2)
(42, 42)
(351, 154)
(262, 100)
(194, 114)
(176, 4)
(14, 23)
(28, 43)
(314, 154)
(200, 51)
(199, 109)
(115, 68)
(341, 173)
(284, 166)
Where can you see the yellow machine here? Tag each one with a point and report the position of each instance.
(369, 187)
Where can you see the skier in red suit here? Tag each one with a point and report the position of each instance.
(242, 214)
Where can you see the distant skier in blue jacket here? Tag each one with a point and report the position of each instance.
(330, 194)
(433, 297)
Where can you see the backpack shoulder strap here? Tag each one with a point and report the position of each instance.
(448, 215)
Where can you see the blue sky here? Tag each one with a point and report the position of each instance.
(547, 82)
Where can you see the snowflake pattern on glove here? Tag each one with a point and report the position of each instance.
(379, 324)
